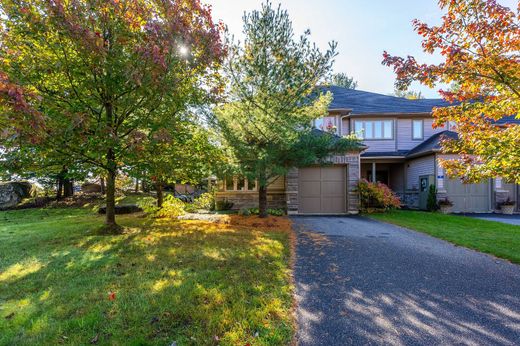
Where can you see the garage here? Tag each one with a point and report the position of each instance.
(322, 190)
(468, 198)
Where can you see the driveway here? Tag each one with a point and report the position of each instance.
(362, 282)
(509, 219)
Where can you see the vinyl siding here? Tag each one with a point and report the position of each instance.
(416, 168)
(404, 133)
(380, 145)
(345, 127)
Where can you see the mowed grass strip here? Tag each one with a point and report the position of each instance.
(495, 238)
(163, 281)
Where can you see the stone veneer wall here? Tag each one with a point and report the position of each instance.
(353, 171)
(240, 199)
(409, 198)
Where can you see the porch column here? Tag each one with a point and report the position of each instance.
(374, 172)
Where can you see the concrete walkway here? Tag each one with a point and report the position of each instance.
(362, 282)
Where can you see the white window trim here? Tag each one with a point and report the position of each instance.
(235, 186)
(373, 138)
(414, 137)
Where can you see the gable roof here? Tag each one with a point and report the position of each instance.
(364, 102)
(432, 144)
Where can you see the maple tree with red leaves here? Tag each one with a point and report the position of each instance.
(80, 77)
(479, 41)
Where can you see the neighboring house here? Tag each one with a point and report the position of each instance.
(402, 150)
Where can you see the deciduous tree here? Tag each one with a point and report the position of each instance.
(479, 41)
(80, 77)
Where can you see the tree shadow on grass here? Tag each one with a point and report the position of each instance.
(193, 283)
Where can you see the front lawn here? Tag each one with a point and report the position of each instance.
(163, 282)
(491, 237)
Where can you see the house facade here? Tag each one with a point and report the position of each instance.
(401, 149)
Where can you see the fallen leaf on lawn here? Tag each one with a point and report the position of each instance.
(11, 315)
(95, 339)
(112, 296)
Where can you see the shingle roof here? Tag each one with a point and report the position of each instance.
(399, 153)
(364, 102)
(508, 120)
(432, 144)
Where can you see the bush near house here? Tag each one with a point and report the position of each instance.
(376, 197)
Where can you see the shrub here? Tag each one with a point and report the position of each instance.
(244, 212)
(223, 205)
(190, 208)
(205, 201)
(445, 202)
(507, 202)
(172, 207)
(273, 212)
(431, 204)
(148, 204)
(376, 196)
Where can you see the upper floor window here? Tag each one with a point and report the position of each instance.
(374, 129)
(326, 124)
(417, 129)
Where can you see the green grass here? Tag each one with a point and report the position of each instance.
(501, 240)
(192, 283)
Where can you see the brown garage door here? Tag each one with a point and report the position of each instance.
(468, 198)
(322, 190)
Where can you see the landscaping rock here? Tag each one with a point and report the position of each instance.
(91, 188)
(122, 209)
(12, 193)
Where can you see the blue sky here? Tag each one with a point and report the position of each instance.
(362, 28)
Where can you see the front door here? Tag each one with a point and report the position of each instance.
(425, 181)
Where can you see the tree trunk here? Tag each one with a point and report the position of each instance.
(160, 194)
(110, 219)
(136, 185)
(262, 201)
(102, 184)
(59, 188)
(68, 188)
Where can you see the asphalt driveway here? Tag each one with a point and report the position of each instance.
(362, 282)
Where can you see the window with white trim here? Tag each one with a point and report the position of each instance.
(417, 129)
(374, 129)
(239, 184)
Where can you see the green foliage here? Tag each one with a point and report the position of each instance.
(376, 196)
(409, 94)
(273, 98)
(273, 212)
(88, 80)
(431, 204)
(222, 205)
(244, 212)
(172, 207)
(342, 80)
(205, 201)
(148, 204)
